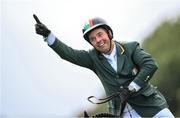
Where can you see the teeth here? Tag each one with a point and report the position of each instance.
(101, 44)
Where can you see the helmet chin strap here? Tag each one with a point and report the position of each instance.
(110, 38)
(108, 52)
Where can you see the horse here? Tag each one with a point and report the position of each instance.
(102, 115)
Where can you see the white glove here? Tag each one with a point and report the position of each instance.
(134, 87)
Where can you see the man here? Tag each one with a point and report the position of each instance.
(119, 66)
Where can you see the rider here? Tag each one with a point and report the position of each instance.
(118, 65)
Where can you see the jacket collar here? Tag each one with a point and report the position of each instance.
(120, 59)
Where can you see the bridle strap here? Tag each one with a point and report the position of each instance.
(103, 100)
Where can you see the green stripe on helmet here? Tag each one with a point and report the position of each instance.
(86, 26)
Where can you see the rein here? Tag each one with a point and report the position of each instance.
(103, 100)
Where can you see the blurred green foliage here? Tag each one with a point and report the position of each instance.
(164, 45)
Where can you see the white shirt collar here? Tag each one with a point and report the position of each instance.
(112, 55)
(112, 58)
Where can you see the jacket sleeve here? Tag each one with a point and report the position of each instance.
(146, 65)
(78, 57)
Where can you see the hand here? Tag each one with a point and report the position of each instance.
(134, 87)
(125, 94)
(40, 28)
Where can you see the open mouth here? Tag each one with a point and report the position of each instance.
(101, 44)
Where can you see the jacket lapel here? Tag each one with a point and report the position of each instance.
(120, 57)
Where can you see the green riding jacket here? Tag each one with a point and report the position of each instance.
(133, 64)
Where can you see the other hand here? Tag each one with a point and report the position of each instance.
(40, 28)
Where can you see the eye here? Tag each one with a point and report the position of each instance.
(92, 39)
(100, 34)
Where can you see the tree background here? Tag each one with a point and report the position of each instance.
(163, 44)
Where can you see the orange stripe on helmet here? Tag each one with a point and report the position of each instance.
(91, 22)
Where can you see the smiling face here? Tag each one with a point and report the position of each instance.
(100, 40)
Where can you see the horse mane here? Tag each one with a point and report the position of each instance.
(104, 115)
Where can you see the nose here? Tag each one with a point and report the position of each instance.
(98, 39)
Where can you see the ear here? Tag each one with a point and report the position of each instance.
(110, 34)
